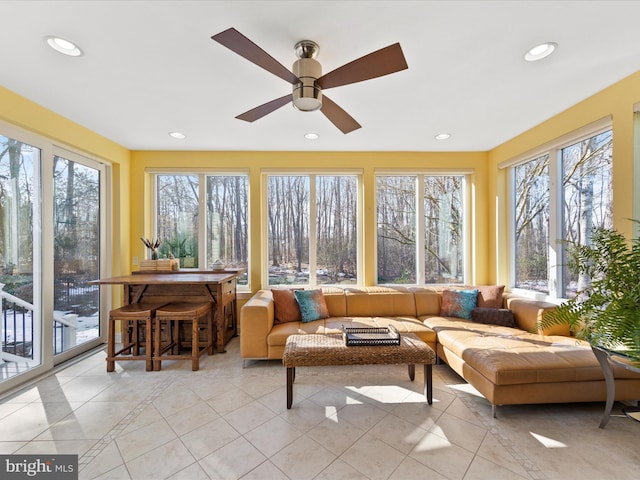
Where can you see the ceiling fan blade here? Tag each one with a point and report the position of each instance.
(265, 109)
(234, 40)
(377, 64)
(336, 115)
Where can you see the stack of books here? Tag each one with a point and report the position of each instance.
(163, 265)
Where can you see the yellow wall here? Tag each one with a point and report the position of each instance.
(368, 162)
(62, 132)
(616, 101)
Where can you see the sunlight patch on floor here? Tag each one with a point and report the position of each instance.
(466, 388)
(548, 442)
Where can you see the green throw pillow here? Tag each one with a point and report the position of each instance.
(312, 305)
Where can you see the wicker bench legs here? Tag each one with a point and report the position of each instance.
(428, 382)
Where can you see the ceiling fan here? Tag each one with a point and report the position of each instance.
(307, 79)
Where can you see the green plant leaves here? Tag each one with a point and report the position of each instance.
(606, 312)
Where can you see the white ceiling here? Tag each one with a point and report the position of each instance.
(150, 67)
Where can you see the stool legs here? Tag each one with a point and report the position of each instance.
(130, 342)
(211, 332)
(195, 341)
(136, 321)
(157, 344)
(111, 346)
(149, 345)
(173, 314)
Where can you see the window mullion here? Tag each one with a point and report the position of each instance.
(313, 244)
(511, 225)
(420, 230)
(556, 213)
(202, 222)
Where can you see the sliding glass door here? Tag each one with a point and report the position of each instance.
(53, 231)
(76, 254)
(20, 325)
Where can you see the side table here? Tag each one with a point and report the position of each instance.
(606, 358)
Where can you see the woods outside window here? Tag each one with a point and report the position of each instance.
(559, 196)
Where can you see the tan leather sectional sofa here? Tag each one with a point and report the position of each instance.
(507, 365)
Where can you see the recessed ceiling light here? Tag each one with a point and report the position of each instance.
(540, 51)
(63, 46)
(311, 136)
(177, 135)
(442, 136)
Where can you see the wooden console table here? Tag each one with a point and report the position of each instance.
(220, 288)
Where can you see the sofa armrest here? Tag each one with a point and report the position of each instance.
(528, 315)
(256, 321)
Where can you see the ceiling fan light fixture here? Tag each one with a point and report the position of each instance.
(311, 136)
(63, 46)
(540, 51)
(307, 95)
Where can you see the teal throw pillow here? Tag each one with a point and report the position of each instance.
(312, 305)
(458, 303)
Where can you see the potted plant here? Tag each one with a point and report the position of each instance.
(606, 310)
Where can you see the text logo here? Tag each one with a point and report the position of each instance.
(50, 467)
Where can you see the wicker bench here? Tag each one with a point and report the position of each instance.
(313, 350)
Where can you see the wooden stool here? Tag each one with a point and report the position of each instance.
(132, 316)
(174, 314)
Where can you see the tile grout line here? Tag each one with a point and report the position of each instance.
(112, 434)
(518, 455)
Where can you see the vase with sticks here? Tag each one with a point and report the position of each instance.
(152, 247)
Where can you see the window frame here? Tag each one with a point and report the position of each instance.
(202, 174)
(553, 149)
(311, 174)
(467, 177)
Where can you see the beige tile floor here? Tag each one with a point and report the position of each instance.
(369, 422)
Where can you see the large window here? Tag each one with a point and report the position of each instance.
(201, 233)
(420, 234)
(227, 236)
(177, 218)
(304, 252)
(559, 197)
(532, 224)
(587, 197)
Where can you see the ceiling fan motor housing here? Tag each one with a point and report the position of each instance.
(307, 96)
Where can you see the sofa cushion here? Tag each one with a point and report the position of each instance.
(285, 306)
(336, 301)
(458, 303)
(427, 300)
(312, 305)
(333, 325)
(382, 301)
(521, 358)
(493, 316)
(490, 296)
